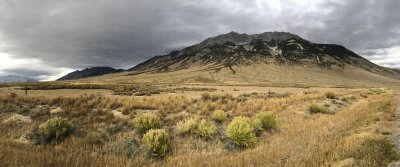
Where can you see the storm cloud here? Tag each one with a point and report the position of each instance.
(64, 35)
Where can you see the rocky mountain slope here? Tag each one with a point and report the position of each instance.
(271, 59)
(89, 72)
(14, 79)
(280, 48)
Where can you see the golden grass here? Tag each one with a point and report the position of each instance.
(265, 74)
(351, 135)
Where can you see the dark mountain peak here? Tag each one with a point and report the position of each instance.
(268, 36)
(232, 33)
(98, 68)
(89, 72)
(232, 37)
(241, 39)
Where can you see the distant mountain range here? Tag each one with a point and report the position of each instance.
(15, 79)
(89, 72)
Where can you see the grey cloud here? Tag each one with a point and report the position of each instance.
(26, 72)
(361, 25)
(76, 34)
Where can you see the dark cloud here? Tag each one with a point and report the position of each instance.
(75, 34)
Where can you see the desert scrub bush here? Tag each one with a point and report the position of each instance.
(187, 126)
(240, 132)
(345, 99)
(330, 95)
(93, 138)
(375, 152)
(24, 111)
(208, 97)
(268, 120)
(219, 116)
(314, 109)
(213, 98)
(13, 95)
(146, 122)
(55, 128)
(377, 91)
(364, 95)
(257, 126)
(8, 107)
(156, 142)
(206, 130)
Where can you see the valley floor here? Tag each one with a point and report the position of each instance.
(356, 127)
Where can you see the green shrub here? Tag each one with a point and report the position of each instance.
(24, 111)
(146, 122)
(257, 126)
(267, 119)
(157, 142)
(206, 129)
(219, 116)
(330, 95)
(241, 132)
(316, 109)
(186, 126)
(55, 128)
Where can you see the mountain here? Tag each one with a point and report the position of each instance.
(13, 78)
(280, 48)
(89, 72)
(270, 58)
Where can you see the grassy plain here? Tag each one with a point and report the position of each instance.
(356, 128)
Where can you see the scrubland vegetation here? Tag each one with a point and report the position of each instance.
(309, 128)
(137, 89)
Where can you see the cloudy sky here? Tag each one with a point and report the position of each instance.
(45, 39)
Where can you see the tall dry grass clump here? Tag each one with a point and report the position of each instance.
(331, 95)
(187, 126)
(314, 109)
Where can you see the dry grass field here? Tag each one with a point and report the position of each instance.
(257, 74)
(276, 126)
